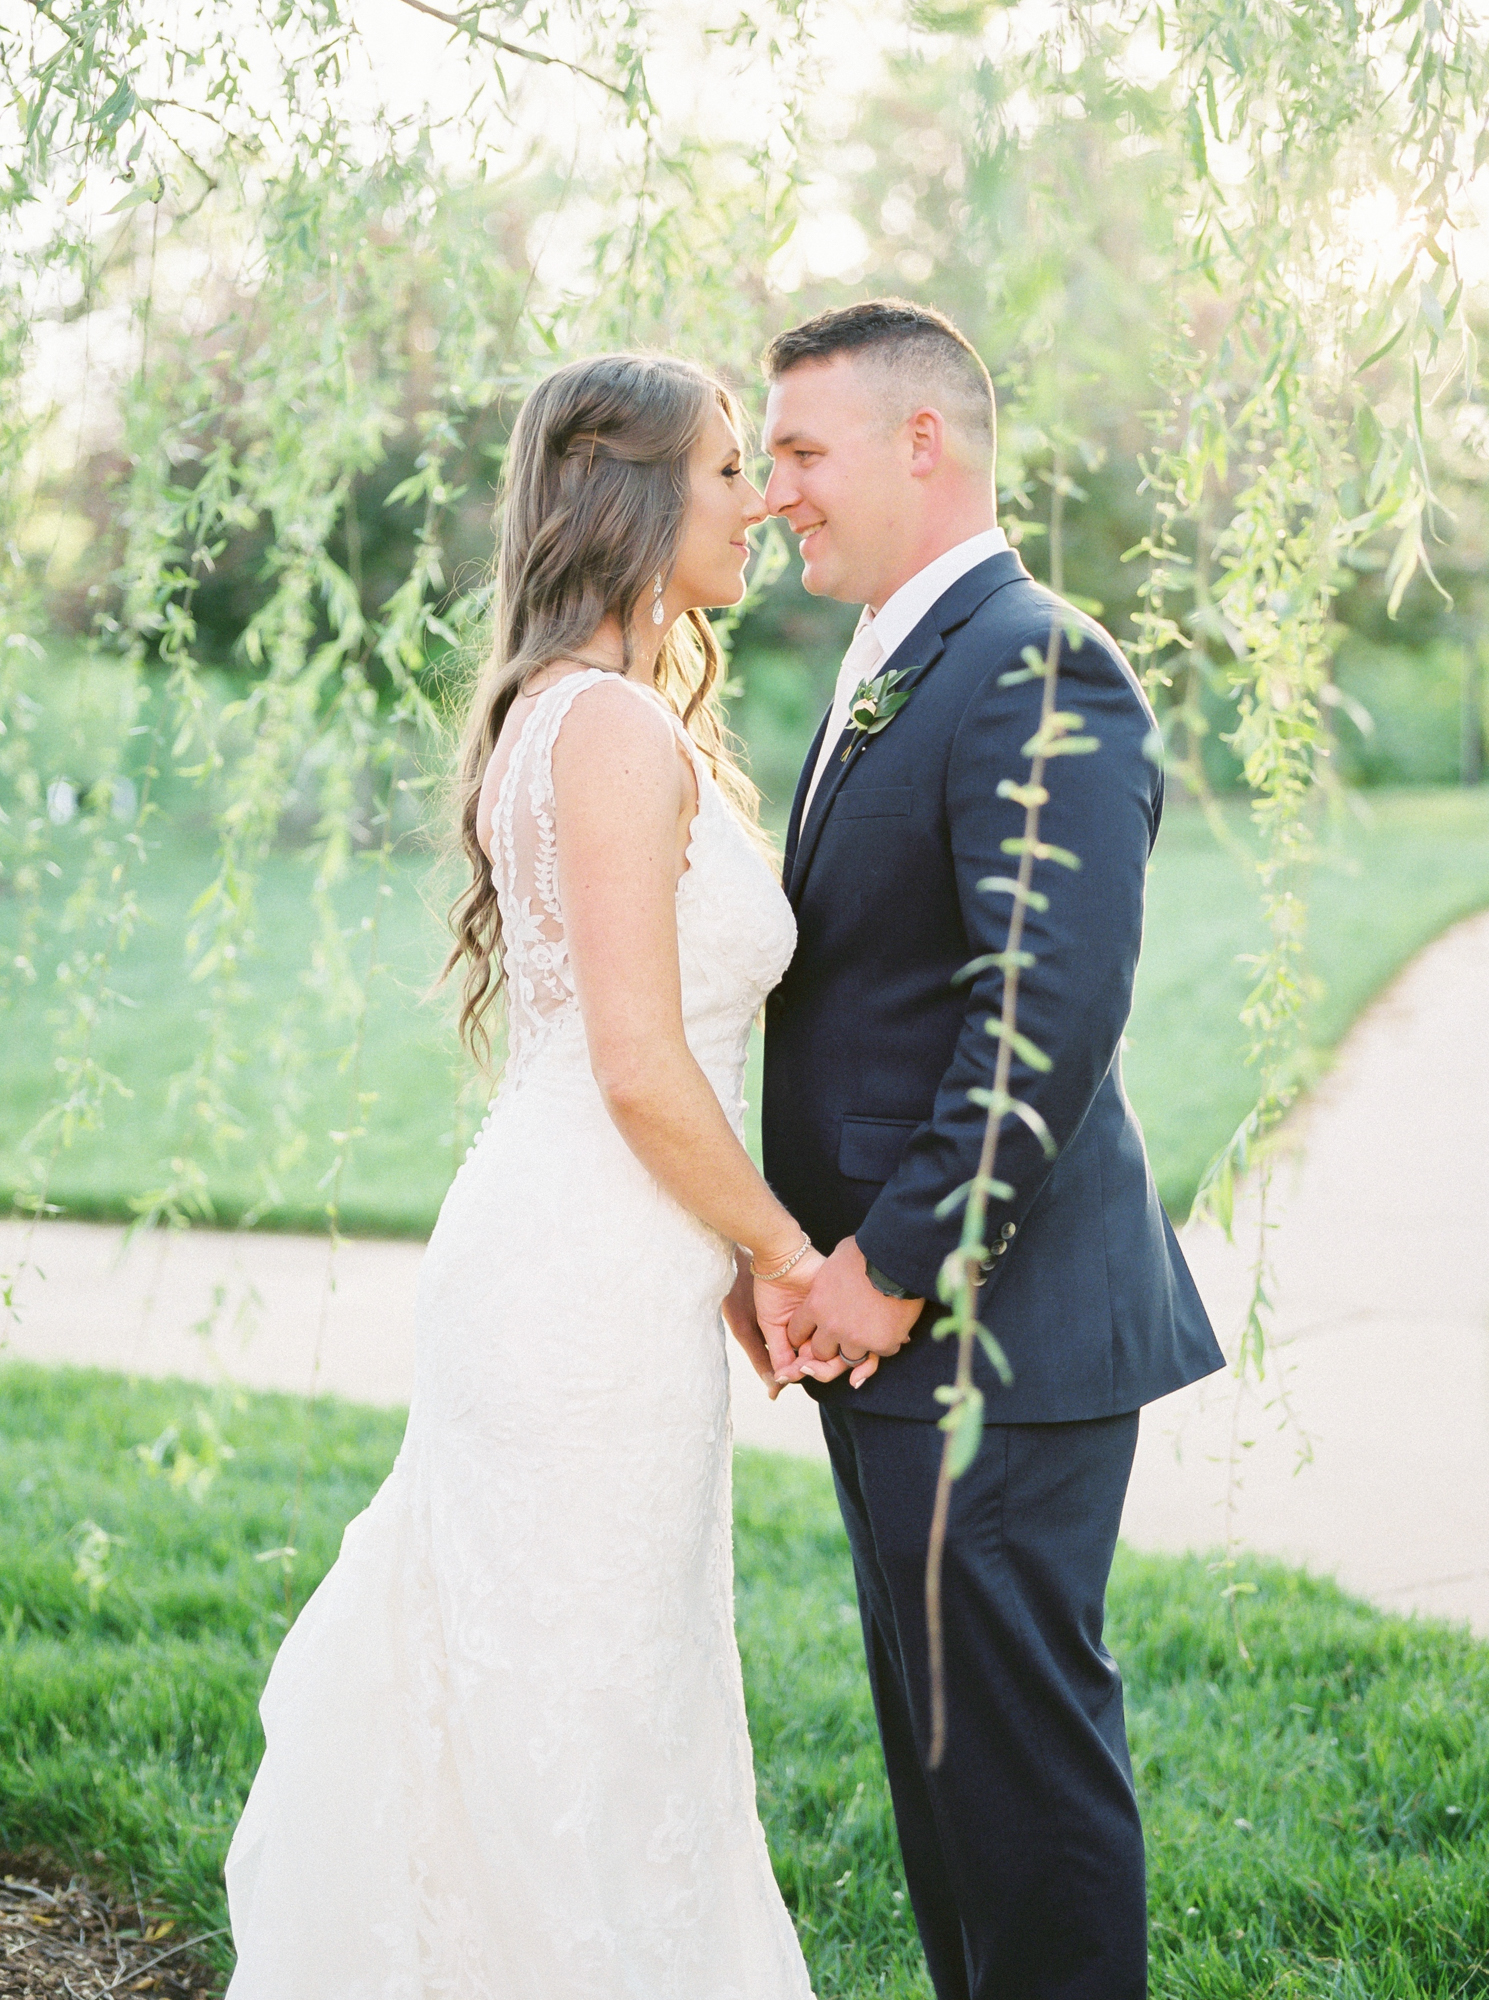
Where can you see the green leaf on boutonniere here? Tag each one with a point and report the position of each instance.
(875, 703)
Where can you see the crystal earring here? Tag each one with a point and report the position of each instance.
(657, 613)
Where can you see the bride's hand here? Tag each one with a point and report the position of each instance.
(739, 1317)
(775, 1301)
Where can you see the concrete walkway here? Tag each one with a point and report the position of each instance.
(1379, 1247)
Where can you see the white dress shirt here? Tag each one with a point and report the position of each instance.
(879, 633)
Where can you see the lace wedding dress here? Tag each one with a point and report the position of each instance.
(507, 1756)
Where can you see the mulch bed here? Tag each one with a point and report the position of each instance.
(62, 1938)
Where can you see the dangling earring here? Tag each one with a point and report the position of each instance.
(657, 614)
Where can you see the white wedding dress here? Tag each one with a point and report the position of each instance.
(507, 1756)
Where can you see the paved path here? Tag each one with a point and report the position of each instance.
(1381, 1257)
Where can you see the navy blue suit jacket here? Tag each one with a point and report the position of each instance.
(870, 1050)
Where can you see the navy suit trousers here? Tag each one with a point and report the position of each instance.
(1024, 1850)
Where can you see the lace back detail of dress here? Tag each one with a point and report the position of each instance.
(535, 952)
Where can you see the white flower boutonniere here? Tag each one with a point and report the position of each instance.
(875, 704)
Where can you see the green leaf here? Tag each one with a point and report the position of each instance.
(1405, 560)
(987, 1099)
(1380, 353)
(1211, 106)
(1004, 960)
(1005, 885)
(1027, 1051)
(147, 191)
(954, 1266)
(117, 108)
(950, 1203)
(1042, 850)
(964, 1422)
(1022, 795)
(1035, 668)
(995, 1354)
(1030, 1117)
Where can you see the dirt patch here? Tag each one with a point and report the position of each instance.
(62, 1938)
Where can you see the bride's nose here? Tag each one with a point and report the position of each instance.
(755, 509)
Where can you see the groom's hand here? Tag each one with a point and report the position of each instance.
(846, 1320)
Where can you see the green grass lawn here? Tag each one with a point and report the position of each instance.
(1318, 1821)
(1387, 881)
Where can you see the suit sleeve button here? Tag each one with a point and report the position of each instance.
(1009, 1231)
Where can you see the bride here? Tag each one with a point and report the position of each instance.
(507, 1755)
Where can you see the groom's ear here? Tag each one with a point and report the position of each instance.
(925, 432)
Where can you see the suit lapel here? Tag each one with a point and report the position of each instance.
(923, 639)
(793, 825)
(916, 654)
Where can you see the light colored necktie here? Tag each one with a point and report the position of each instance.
(861, 662)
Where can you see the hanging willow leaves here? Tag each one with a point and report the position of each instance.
(265, 285)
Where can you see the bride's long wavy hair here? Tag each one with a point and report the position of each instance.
(593, 497)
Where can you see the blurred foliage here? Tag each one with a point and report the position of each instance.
(1391, 871)
(262, 335)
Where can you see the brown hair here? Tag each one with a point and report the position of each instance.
(910, 343)
(594, 493)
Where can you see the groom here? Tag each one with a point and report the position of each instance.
(1023, 1850)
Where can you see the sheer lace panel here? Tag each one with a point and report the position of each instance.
(535, 953)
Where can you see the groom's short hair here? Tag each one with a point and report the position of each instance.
(920, 354)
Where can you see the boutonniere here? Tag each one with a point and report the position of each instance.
(875, 704)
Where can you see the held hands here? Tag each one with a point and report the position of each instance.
(846, 1322)
(826, 1318)
(775, 1301)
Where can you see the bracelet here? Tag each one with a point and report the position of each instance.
(781, 1269)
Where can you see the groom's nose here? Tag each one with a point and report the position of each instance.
(781, 490)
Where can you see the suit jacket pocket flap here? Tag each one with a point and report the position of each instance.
(874, 802)
(870, 1149)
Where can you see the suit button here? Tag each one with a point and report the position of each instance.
(999, 1248)
(1009, 1231)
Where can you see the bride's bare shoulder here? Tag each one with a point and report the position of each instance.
(613, 729)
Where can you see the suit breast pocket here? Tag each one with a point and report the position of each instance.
(869, 1149)
(874, 802)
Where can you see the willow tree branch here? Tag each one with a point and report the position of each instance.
(969, 1285)
(147, 105)
(466, 23)
(966, 1295)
